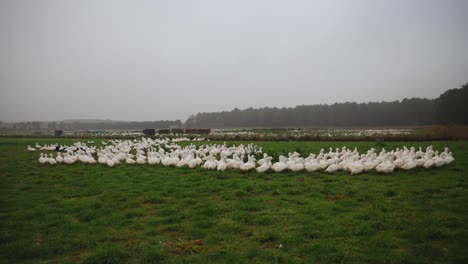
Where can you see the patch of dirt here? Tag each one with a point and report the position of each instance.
(215, 198)
(441, 246)
(73, 219)
(336, 197)
(186, 247)
(401, 250)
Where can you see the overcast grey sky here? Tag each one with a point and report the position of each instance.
(152, 60)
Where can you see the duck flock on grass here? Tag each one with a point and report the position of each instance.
(220, 157)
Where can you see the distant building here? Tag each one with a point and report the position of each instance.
(201, 131)
(191, 131)
(177, 131)
(164, 131)
(149, 132)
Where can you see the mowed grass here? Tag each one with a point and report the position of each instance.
(151, 214)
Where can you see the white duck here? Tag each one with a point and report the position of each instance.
(449, 158)
(311, 164)
(130, 161)
(264, 163)
(51, 160)
(429, 163)
(280, 165)
(356, 167)
(411, 164)
(332, 168)
(193, 162)
(387, 166)
(42, 159)
(222, 165)
(110, 162)
(438, 161)
(210, 163)
(141, 159)
(59, 157)
(298, 165)
(249, 165)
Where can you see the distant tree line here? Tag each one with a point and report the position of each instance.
(125, 125)
(73, 126)
(450, 108)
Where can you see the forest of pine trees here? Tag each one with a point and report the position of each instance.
(450, 108)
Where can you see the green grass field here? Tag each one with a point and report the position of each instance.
(152, 214)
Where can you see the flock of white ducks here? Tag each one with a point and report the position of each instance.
(242, 157)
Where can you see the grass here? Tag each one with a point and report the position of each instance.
(146, 214)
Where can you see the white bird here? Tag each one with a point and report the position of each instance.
(42, 159)
(399, 162)
(152, 160)
(429, 163)
(312, 166)
(51, 160)
(438, 161)
(69, 159)
(298, 165)
(110, 162)
(332, 168)
(31, 149)
(449, 158)
(280, 165)
(210, 163)
(59, 157)
(409, 165)
(130, 161)
(356, 167)
(387, 166)
(141, 159)
(193, 162)
(221, 166)
(166, 152)
(263, 168)
(264, 163)
(249, 165)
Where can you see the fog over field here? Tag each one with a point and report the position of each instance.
(165, 60)
(242, 131)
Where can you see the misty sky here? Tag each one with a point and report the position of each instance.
(152, 60)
